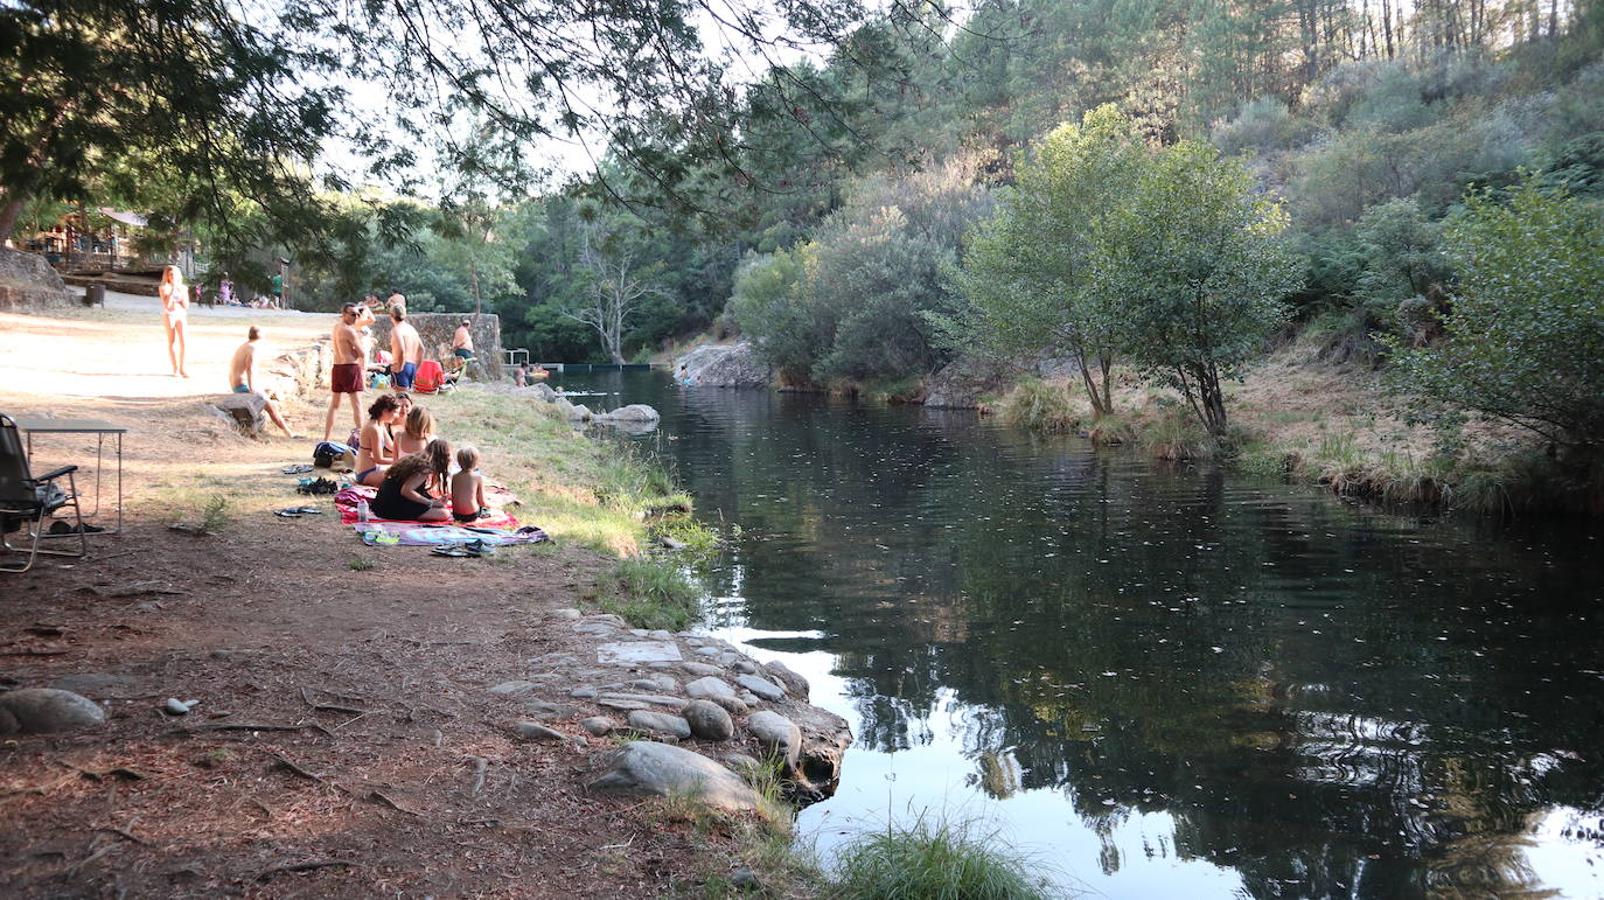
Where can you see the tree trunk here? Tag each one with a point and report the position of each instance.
(1386, 25)
(10, 209)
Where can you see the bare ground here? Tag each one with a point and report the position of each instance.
(344, 708)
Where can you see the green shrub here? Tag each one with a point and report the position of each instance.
(933, 860)
(1525, 338)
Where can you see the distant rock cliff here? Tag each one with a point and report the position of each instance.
(723, 365)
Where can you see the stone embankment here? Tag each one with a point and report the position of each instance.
(707, 721)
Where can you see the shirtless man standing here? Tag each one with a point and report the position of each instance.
(242, 378)
(349, 365)
(406, 349)
(462, 342)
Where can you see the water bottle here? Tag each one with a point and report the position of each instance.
(362, 510)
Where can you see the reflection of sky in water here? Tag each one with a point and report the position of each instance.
(1157, 681)
(1037, 822)
(1136, 858)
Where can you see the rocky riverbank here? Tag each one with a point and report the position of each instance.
(698, 698)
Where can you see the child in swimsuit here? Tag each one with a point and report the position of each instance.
(468, 487)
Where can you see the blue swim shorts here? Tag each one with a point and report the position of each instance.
(403, 378)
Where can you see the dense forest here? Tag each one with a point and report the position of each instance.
(1159, 188)
(1369, 120)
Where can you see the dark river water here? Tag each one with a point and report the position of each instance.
(1154, 681)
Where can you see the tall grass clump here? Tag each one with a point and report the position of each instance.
(933, 860)
(649, 593)
(1177, 437)
(1041, 407)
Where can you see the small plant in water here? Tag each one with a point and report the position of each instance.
(934, 859)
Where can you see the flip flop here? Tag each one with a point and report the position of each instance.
(298, 469)
(293, 512)
(452, 551)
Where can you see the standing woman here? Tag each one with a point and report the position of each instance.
(175, 315)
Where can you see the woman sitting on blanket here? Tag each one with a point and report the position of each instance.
(406, 494)
(417, 433)
(377, 450)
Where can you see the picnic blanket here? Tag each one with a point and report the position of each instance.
(409, 534)
(348, 498)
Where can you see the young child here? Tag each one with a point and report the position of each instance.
(468, 487)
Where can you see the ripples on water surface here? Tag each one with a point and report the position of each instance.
(1158, 681)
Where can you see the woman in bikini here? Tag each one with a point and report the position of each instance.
(377, 450)
(174, 295)
(406, 494)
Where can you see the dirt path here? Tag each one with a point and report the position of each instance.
(367, 670)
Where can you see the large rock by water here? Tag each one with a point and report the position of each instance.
(795, 684)
(47, 710)
(723, 365)
(648, 767)
(28, 282)
(778, 735)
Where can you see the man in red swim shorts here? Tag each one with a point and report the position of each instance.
(350, 364)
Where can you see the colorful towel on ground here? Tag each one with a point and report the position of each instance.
(409, 534)
(348, 498)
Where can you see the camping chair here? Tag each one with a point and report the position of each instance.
(429, 378)
(26, 500)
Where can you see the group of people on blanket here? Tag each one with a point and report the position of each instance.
(411, 466)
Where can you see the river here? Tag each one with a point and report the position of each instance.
(1154, 680)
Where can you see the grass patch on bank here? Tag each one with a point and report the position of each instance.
(598, 493)
(1040, 406)
(933, 859)
(649, 593)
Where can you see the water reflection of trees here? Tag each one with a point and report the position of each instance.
(1327, 701)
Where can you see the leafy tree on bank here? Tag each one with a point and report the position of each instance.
(1524, 341)
(180, 107)
(1029, 273)
(1195, 257)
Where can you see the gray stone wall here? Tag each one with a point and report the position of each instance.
(27, 281)
(436, 330)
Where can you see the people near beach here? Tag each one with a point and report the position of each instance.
(349, 363)
(520, 376)
(225, 292)
(416, 432)
(468, 487)
(408, 490)
(175, 316)
(376, 447)
(242, 378)
(462, 342)
(406, 349)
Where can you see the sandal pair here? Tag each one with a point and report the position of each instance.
(295, 512)
(464, 550)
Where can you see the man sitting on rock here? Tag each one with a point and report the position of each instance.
(242, 376)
